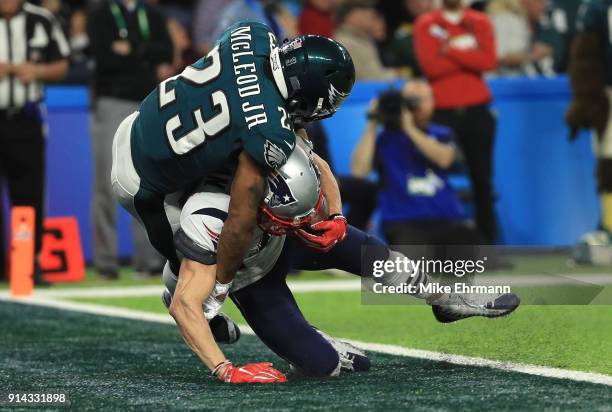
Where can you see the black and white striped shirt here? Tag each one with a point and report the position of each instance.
(32, 35)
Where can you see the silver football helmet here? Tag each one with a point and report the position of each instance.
(293, 195)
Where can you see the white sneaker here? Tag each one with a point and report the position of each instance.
(453, 306)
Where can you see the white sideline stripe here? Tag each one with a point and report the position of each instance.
(344, 285)
(156, 290)
(374, 347)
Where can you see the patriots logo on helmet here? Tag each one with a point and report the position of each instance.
(335, 96)
(281, 192)
(273, 155)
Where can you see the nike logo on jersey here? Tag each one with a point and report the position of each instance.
(291, 146)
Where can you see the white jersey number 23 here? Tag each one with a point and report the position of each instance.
(203, 128)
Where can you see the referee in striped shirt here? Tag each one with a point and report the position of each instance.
(33, 50)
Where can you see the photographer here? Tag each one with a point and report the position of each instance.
(411, 155)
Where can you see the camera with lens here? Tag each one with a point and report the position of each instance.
(390, 105)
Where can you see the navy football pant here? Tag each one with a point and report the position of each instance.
(270, 309)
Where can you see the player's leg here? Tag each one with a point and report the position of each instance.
(109, 114)
(345, 256)
(349, 256)
(148, 207)
(270, 309)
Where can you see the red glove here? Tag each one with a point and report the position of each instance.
(330, 232)
(251, 373)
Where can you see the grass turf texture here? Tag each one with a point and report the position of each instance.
(535, 263)
(569, 337)
(107, 363)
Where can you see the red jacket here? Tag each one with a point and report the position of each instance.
(314, 21)
(456, 74)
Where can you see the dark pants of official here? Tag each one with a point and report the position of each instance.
(270, 309)
(22, 165)
(475, 129)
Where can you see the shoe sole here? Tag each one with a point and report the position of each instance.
(445, 318)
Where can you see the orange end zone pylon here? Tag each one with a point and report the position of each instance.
(22, 251)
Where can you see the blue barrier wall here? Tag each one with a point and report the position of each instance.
(545, 184)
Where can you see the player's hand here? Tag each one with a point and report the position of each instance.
(214, 303)
(326, 233)
(251, 373)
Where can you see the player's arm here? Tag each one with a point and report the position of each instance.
(246, 195)
(329, 185)
(325, 235)
(195, 283)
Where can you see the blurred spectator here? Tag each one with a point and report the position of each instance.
(35, 53)
(206, 18)
(184, 54)
(411, 154)
(516, 25)
(401, 47)
(317, 17)
(180, 11)
(455, 46)
(358, 193)
(60, 10)
(80, 65)
(129, 41)
(561, 17)
(590, 72)
(357, 23)
(271, 12)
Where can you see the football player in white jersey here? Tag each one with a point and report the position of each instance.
(293, 202)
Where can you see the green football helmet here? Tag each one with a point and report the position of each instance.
(318, 74)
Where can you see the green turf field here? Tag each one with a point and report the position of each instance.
(569, 337)
(535, 263)
(107, 363)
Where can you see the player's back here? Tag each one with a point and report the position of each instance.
(197, 122)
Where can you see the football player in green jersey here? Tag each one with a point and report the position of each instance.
(231, 116)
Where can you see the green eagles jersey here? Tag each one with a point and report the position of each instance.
(595, 16)
(196, 123)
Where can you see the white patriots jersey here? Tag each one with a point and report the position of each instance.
(202, 219)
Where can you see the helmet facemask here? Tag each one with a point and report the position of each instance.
(278, 226)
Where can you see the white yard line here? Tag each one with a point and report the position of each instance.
(374, 347)
(342, 285)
